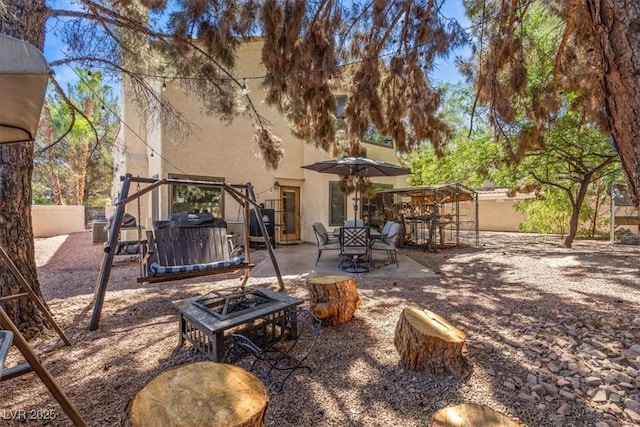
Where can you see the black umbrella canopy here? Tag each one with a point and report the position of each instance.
(24, 74)
(357, 166)
(360, 167)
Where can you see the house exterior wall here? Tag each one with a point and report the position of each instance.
(132, 153)
(217, 149)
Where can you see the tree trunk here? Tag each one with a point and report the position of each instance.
(471, 414)
(428, 342)
(576, 206)
(201, 393)
(23, 20)
(615, 24)
(334, 299)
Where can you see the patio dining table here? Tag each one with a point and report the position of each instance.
(373, 233)
(355, 265)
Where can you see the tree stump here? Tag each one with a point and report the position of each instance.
(334, 299)
(203, 394)
(428, 342)
(471, 415)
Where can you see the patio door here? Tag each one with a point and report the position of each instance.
(289, 213)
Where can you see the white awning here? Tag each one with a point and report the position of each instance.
(24, 73)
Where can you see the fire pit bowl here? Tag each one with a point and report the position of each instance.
(226, 306)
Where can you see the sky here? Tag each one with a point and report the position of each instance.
(445, 72)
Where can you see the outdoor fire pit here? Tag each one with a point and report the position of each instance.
(235, 304)
(206, 321)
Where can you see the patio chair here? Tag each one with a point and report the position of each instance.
(353, 223)
(385, 230)
(389, 242)
(276, 363)
(356, 247)
(325, 241)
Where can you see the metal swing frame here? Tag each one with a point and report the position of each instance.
(243, 194)
(11, 334)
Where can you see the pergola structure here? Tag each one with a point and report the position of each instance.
(436, 216)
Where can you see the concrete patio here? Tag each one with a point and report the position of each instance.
(298, 261)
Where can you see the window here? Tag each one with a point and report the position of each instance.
(372, 136)
(337, 204)
(195, 199)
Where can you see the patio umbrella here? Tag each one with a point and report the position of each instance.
(359, 167)
(24, 74)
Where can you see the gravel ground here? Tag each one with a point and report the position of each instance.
(553, 336)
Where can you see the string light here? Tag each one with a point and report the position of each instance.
(245, 89)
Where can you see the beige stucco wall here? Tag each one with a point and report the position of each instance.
(496, 212)
(217, 149)
(50, 220)
(498, 216)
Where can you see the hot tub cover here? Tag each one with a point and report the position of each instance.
(24, 73)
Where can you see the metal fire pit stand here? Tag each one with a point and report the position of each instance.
(206, 332)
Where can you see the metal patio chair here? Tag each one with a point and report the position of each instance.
(325, 241)
(389, 243)
(356, 249)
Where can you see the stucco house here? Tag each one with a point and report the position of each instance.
(216, 151)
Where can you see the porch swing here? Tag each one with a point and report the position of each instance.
(177, 253)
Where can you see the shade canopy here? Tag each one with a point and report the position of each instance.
(443, 193)
(357, 166)
(24, 73)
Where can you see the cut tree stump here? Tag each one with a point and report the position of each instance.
(471, 415)
(334, 299)
(203, 394)
(428, 342)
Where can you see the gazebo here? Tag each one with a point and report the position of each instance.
(436, 216)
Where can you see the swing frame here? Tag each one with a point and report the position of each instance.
(243, 194)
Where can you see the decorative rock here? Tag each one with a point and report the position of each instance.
(600, 396)
(553, 368)
(567, 394)
(564, 409)
(509, 385)
(632, 404)
(632, 414)
(539, 389)
(551, 389)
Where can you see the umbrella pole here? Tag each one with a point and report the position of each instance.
(355, 203)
